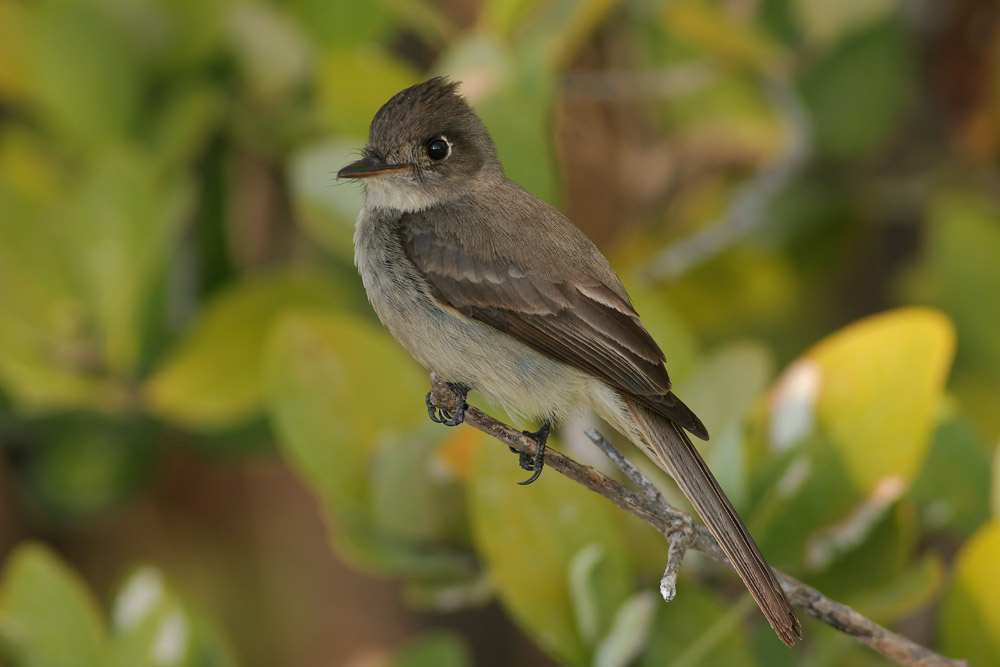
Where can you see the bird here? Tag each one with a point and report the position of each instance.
(499, 293)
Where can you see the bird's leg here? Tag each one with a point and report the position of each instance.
(439, 416)
(537, 462)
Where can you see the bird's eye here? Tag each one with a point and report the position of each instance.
(438, 150)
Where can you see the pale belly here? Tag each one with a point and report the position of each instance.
(525, 383)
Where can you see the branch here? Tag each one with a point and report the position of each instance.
(649, 505)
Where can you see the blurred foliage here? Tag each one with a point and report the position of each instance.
(176, 274)
(49, 617)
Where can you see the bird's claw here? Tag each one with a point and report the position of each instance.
(537, 462)
(441, 416)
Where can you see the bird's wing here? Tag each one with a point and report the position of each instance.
(577, 319)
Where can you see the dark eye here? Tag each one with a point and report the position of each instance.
(437, 150)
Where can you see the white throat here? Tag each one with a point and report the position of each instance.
(396, 194)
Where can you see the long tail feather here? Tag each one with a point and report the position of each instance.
(673, 449)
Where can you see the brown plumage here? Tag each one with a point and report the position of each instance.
(499, 270)
(492, 288)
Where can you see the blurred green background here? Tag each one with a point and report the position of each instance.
(212, 454)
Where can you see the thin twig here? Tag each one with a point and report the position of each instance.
(671, 521)
(634, 474)
(678, 547)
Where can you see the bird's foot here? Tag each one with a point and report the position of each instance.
(537, 462)
(439, 416)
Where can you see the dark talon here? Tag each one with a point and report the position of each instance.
(431, 410)
(439, 416)
(525, 460)
(537, 462)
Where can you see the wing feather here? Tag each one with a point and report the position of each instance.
(578, 320)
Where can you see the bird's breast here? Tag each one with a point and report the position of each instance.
(525, 382)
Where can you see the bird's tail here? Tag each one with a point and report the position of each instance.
(673, 450)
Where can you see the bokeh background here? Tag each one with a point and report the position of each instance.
(212, 454)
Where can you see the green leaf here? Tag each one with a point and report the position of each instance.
(856, 95)
(336, 386)
(518, 110)
(850, 426)
(442, 649)
(458, 590)
(735, 290)
(880, 382)
(958, 269)
(196, 36)
(86, 78)
(212, 379)
(125, 215)
(865, 553)
(970, 616)
(354, 84)
(415, 497)
(528, 538)
(152, 626)
(911, 590)
(339, 389)
(727, 383)
(669, 330)
(424, 18)
(629, 632)
(142, 610)
(953, 486)
(798, 494)
(47, 347)
(35, 377)
(48, 618)
(963, 242)
(342, 24)
(696, 629)
(591, 619)
(184, 122)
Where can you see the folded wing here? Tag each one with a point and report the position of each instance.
(577, 319)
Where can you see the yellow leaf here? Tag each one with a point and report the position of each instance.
(970, 624)
(880, 383)
(213, 378)
(529, 535)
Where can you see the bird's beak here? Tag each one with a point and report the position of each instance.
(367, 166)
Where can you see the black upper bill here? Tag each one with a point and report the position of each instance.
(365, 167)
